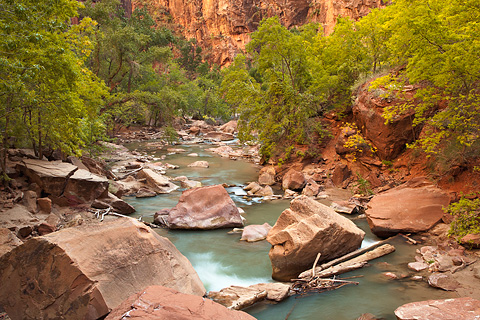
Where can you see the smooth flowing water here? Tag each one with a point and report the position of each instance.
(222, 260)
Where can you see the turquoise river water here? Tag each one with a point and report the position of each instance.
(222, 260)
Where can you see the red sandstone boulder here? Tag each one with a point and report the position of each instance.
(229, 127)
(306, 229)
(50, 176)
(267, 176)
(84, 186)
(412, 207)
(157, 302)
(341, 173)
(159, 183)
(83, 272)
(293, 180)
(389, 139)
(255, 232)
(448, 309)
(205, 208)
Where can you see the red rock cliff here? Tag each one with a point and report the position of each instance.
(223, 27)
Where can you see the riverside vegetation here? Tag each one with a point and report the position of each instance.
(66, 86)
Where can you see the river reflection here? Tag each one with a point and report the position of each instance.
(222, 260)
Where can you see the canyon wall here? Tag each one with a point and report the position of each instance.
(222, 27)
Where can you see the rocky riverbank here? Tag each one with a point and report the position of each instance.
(51, 205)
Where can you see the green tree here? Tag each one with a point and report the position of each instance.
(47, 95)
(438, 44)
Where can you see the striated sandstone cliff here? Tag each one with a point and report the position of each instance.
(223, 27)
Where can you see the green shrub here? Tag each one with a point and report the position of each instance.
(466, 215)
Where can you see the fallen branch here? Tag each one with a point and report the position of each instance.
(318, 285)
(315, 264)
(354, 253)
(352, 264)
(101, 213)
(409, 240)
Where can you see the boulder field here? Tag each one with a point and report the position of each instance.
(83, 272)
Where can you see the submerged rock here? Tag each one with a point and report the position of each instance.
(412, 207)
(157, 302)
(459, 309)
(255, 232)
(83, 272)
(306, 229)
(199, 164)
(205, 208)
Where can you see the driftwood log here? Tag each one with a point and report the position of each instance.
(352, 264)
(314, 280)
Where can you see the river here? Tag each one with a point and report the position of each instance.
(222, 260)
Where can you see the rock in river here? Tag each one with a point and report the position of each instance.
(157, 302)
(205, 208)
(448, 309)
(83, 272)
(306, 229)
(255, 232)
(412, 207)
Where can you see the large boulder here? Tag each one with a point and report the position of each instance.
(83, 272)
(306, 229)
(156, 181)
(229, 127)
(415, 206)
(389, 139)
(205, 208)
(84, 186)
(266, 176)
(50, 176)
(157, 302)
(293, 180)
(459, 309)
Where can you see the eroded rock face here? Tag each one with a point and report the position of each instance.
(223, 28)
(389, 139)
(306, 229)
(412, 207)
(83, 272)
(205, 208)
(458, 309)
(157, 302)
